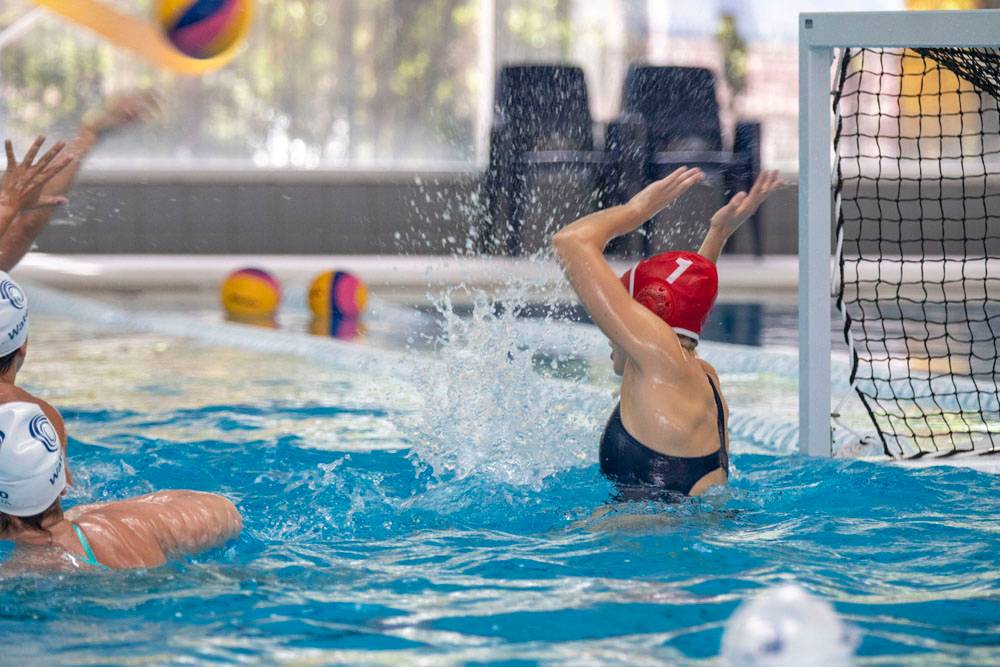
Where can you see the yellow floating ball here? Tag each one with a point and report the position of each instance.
(337, 294)
(250, 294)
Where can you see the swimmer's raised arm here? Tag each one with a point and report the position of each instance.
(119, 112)
(729, 218)
(580, 248)
(22, 183)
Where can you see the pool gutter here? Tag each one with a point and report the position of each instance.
(742, 278)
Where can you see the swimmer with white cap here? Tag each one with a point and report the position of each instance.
(14, 350)
(137, 532)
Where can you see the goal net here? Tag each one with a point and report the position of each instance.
(917, 206)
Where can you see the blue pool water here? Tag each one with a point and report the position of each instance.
(387, 523)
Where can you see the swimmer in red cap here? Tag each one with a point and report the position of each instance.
(667, 436)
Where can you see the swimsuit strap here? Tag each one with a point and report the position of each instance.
(721, 421)
(91, 559)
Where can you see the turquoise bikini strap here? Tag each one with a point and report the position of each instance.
(91, 558)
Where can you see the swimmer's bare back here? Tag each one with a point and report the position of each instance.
(146, 530)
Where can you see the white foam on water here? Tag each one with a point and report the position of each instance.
(487, 409)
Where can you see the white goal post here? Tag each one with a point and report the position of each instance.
(819, 35)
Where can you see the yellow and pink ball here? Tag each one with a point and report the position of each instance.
(337, 294)
(250, 294)
(205, 28)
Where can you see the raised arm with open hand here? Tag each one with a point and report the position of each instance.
(119, 112)
(21, 187)
(729, 218)
(580, 247)
(600, 227)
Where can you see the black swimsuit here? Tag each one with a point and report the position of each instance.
(643, 474)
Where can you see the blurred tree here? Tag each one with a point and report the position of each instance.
(535, 29)
(734, 54)
(321, 81)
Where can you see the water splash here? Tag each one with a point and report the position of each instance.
(491, 407)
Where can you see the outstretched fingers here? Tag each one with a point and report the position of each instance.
(29, 157)
(43, 175)
(682, 180)
(737, 201)
(49, 156)
(56, 166)
(11, 158)
(48, 201)
(23, 182)
(765, 184)
(692, 177)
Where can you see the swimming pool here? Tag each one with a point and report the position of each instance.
(438, 505)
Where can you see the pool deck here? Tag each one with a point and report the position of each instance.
(742, 278)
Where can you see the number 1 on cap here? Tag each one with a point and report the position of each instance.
(682, 266)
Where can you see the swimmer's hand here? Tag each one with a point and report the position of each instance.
(121, 111)
(21, 187)
(729, 218)
(659, 194)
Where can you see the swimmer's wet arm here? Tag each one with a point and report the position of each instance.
(194, 520)
(580, 248)
(119, 112)
(598, 228)
(730, 217)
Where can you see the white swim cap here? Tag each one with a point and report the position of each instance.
(13, 315)
(31, 460)
(785, 626)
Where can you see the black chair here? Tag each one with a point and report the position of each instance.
(670, 118)
(543, 169)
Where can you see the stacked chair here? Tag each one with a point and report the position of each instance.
(670, 118)
(544, 170)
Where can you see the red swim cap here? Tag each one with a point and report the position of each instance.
(680, 287)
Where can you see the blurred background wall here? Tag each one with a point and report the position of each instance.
(359, 126)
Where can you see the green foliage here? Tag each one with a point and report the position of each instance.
(540, 27)
(734, 54)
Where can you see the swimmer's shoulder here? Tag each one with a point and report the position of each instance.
(710, 370)
(119, 538)
(714, 376)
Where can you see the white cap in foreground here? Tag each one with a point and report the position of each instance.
(31, 460)
(785, 625)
